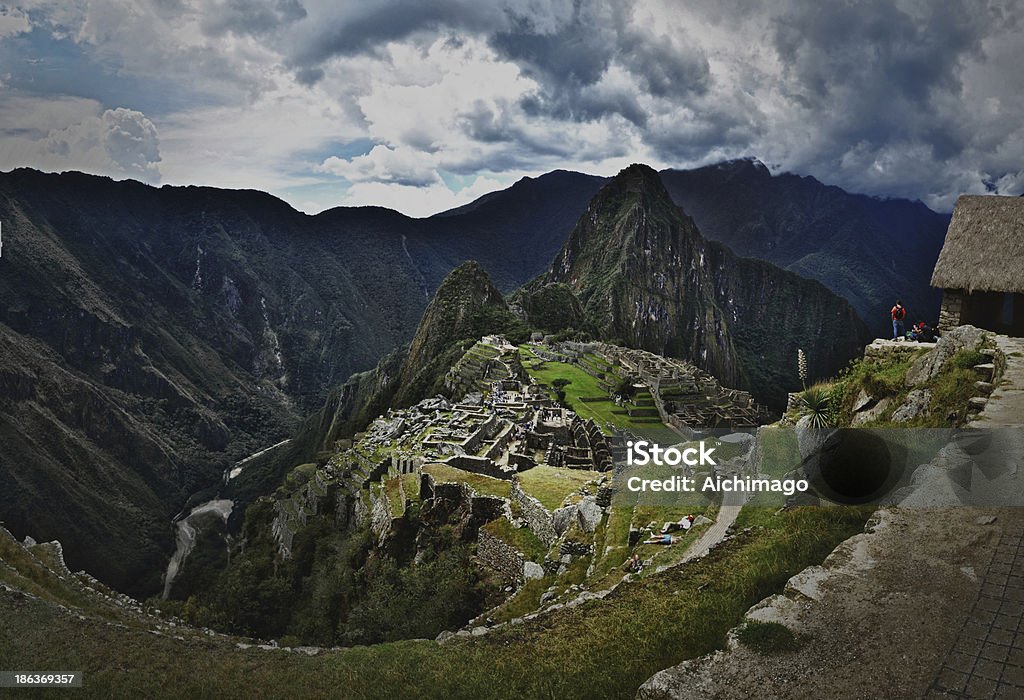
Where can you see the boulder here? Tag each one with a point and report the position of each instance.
(951, 342)
(873, 413)
(808, 438)
(588, 513)
(976, 403)
(863, 401)
(916, 403)
(532, 570)
(562, 517)
(987, 370)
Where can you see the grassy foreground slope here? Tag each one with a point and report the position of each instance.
(603, 648)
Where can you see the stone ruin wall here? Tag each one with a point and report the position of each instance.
(500, 556)
(536, 515)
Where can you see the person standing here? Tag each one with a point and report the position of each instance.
(898, 313)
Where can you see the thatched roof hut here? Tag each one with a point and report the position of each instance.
(984, 248)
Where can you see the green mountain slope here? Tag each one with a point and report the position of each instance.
(647, 278)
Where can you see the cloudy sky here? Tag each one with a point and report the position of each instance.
(423, 105)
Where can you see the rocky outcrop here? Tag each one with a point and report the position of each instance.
(929, 365)
(913, 406)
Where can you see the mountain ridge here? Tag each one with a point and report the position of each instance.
(646, 276)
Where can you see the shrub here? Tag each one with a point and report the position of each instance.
(965, 359)
(817, 403)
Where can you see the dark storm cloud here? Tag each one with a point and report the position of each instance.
(885, 78)
(362, 29)
(570, 62)
(882, 66)
(897, 97)
(255, 17)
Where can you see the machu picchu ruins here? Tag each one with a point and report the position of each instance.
(502, 417)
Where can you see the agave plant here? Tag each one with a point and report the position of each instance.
(816, 402)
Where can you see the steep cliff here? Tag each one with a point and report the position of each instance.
(647, 278)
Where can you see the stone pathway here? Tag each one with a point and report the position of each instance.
(877, 618)
(987, 659)
(1005, 407)
(732, 503)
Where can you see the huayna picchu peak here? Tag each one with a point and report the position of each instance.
(646, 277)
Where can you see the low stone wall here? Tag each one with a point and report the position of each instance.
(500, 556)
(537, 516)
(478, 465)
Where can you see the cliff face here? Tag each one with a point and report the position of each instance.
(647, 278)
(869, 251)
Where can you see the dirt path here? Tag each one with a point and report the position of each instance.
(732, 503)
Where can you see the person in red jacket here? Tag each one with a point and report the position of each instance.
(898, 313)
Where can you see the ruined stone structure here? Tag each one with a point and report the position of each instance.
(500, 556)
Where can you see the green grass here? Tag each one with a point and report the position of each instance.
(583, 386)
(484, 485)
(550, 485)
(879, 377)
(601, 649)
(522, 538)
(411, 484)
(394, 495)
(523, 602)
(779, 450)
(950, 389)
(31, 572)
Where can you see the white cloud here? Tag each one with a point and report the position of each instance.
(13, 22)
(70, 133)
(419, 201)
(889, 97)
(383, 164)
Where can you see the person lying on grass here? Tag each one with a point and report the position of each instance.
(661, 539)
(684, 524)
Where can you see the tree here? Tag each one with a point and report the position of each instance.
(559, 385)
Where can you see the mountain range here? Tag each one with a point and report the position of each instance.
(152, 337)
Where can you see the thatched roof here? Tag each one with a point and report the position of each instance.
(984, 248)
